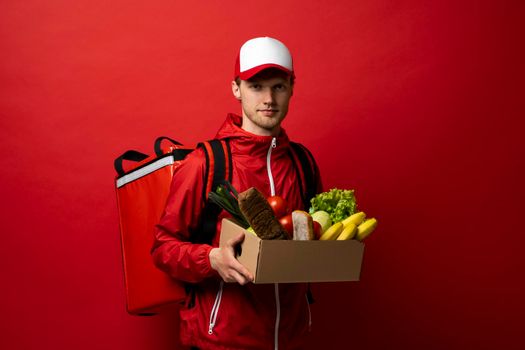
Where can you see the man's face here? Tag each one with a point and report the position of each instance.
(264, 100)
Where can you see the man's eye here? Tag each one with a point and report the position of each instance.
(255, 86)
(279, 87)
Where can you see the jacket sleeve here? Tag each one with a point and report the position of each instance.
(172, 250)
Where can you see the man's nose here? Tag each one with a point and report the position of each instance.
(268, 97)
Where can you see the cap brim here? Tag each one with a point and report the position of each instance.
(250, 73)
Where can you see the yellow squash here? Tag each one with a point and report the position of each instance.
(355, 219)
(366, 228)
(348, 232)
(333, 232)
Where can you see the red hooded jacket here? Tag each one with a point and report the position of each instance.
(228, 315)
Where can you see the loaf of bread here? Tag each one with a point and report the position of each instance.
(303, 226)
(259, 214)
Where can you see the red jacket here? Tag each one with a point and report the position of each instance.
(228, 315)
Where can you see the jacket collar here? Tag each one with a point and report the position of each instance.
(248, 143)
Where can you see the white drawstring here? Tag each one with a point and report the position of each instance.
(277, 317)
(309, 313)
(215, 309)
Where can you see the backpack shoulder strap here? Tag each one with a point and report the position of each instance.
(218, 169)
(218, 164)
(306, 168)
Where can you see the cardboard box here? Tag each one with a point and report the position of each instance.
(282, 261)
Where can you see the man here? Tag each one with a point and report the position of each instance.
(226, 310)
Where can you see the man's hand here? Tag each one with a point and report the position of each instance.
(224, 262)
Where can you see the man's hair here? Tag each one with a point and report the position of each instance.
(267, 74)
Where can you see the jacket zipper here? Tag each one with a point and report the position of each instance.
(215, 309)
(272, 192)
(269, 167)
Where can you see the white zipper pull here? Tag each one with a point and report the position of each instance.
(269, 165)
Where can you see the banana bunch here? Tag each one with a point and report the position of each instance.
(356, 226)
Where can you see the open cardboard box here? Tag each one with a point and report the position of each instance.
(281, 261)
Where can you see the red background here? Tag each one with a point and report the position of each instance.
(419, 106)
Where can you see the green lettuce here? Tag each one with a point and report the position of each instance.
(340, 204)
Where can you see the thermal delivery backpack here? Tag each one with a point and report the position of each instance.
(142, 191)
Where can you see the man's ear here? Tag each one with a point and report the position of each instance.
(236, 90)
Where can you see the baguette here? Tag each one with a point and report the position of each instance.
(303, 226)
(259, 215)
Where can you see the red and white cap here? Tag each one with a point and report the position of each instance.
(261, 53)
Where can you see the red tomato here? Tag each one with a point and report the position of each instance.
(318, 230)
(279, 206)
(287, 224)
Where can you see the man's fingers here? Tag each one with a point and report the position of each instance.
(235, 272)
(242, 271)
(236, 240)
(241, 278)
(230, 269)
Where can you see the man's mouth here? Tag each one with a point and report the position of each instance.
(268, 110)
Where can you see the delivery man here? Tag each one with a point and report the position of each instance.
(225, 310)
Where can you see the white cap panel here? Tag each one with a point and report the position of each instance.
(260, 51)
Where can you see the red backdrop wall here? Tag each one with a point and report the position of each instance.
(416, 105)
